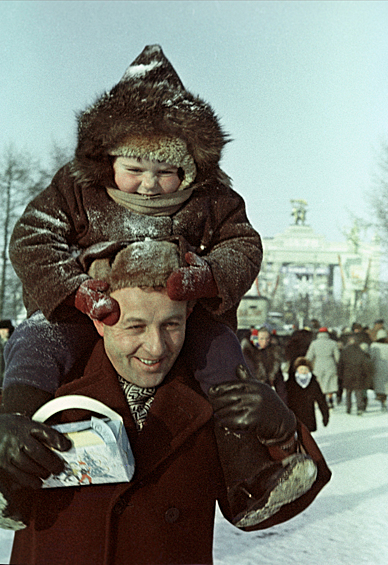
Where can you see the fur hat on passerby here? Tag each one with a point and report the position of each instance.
(7, 325)
(149, 114)
(302, 361)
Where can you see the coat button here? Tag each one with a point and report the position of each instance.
(172, 515)
(119, 507)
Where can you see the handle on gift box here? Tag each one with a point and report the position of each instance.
(71, 402)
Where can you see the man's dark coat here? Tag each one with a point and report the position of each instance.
(165, 515)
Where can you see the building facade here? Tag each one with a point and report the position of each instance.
(304, 276)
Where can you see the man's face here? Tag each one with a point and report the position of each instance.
(4, 333)
(145, 342)
(263, 340)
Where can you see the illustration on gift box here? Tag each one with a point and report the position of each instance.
(101, 452)
(84, 469)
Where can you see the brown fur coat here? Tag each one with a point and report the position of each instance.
(75, 211)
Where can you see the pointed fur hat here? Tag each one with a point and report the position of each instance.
(150, 114)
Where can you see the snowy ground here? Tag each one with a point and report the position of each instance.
(348, 522)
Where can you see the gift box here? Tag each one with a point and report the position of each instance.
(101, 452)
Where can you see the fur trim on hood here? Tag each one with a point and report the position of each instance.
(150, 101)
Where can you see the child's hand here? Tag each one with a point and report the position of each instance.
(91, 299)
(194, 282)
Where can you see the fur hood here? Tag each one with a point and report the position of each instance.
(149, 101)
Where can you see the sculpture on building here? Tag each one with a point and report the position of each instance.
(299, 211)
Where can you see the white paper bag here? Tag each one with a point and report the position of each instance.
(101, 452)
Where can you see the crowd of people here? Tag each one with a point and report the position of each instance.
(317, 366)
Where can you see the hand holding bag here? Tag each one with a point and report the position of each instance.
(101, 451)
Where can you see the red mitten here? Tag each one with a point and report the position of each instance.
(191, 283)
(91, 299)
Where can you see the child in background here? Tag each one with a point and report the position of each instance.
(303, 391)
(147, 165)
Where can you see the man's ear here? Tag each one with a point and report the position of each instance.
(99, 327)
(189, 310)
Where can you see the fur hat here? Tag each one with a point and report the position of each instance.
(149, 113)
(302, 361)
(6, 324)
(146, 263)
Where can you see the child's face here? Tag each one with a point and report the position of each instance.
(149, 178)
(303, 370)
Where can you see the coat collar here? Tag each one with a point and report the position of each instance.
(176, 412)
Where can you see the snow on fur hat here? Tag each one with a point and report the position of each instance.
(146, 263)
(149, 114)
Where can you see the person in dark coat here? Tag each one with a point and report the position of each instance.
(355, 368)
(165, 514)
(264, 360)
(303, 392)
(296, 345)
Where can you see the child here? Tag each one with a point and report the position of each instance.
(146, 166)
(303, 391)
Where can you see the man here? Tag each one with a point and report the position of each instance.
(264, 360)
(166, 513)
(355, 370)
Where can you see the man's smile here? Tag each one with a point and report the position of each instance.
(149, 362)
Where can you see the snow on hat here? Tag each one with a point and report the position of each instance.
(146, 263)
(153, 66)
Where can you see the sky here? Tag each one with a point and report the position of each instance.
(345, 525)
(301, 87)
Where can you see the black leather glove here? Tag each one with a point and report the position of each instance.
(25, 453)
(249, 405)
